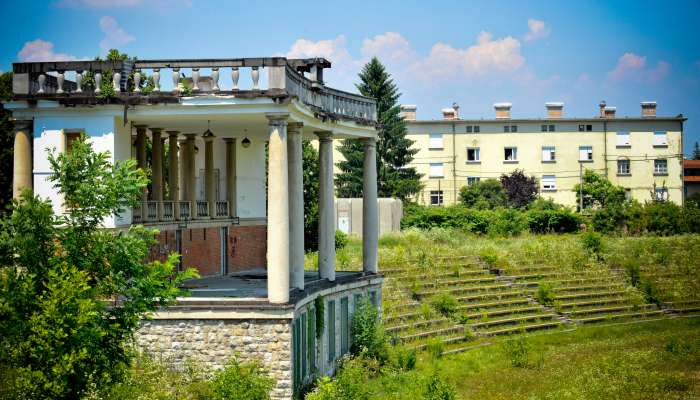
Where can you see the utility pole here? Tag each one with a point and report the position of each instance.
(580, 187)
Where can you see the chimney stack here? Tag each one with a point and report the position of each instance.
(555, 109)
(408, 112)
(451, 112)
(502, 110)
(601, 108)
(648, 109)
(609, 112)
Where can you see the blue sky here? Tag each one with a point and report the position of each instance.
(472, 53)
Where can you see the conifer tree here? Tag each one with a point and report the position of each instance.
(394, 151)
(696, 151)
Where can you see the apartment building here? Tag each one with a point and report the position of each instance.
(641, 153)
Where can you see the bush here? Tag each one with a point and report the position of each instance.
(545, 294)
(518, 352)
(402, 358)
(486, 194)
(546, 220)
(349, 383)
(521, 190)
(341, 239)
(445, 304)
(663, 218)
(243, 381)
(368, 336)
(434, 346)
(608, 219)
(508, 222)
(438, 389)
(592, 242)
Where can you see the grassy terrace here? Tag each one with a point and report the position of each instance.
(640, 360)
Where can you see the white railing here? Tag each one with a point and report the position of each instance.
(185, 210)
(159, 79)
(221, 210)
(202, 209)
(137, 214)
(167, 211)
(151, 208)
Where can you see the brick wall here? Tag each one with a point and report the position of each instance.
(201, 248)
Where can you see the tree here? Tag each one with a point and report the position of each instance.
(394, 150)
(598, 191)
(71, 293)
(6, 143)
(486, 194)
(521, 189)
(696, 151)
(310, 162)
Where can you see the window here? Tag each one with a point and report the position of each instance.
(660, 167)
(473, 128)
(510, 128)
(660, 139)
(304, 348)
(548, 154)
(551, 128)
(435, 141)
(623, 167)
(331, 330)
(472, 180)
(469, 129)
(585, 128)
(473, 154)
(436, 197)
(477, 129)
(623, 139)
(510, 154)
(661, 193)
(296, 350)
(585, 153)
(436, 170)
(544, 128)
(344, 326)
(71, 136)
(311, 336)
(628, 194)
(506, 129)
(547, 128)
(549, 182)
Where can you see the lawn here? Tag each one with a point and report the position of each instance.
(647, 360)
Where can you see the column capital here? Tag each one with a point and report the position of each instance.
(324, 136)
(294, 126)
(22, 124)
(154, 130)
(229, 139)
(370, 141)
(173, 134)
(278, 119)
(190, 136)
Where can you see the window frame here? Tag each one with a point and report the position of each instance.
(431, 139)
(589, 153)
(625, 144)
(621, 162)
(514, 154)
(477, 153)
(436, 164)
(552, 186)
(439, 196)
(664, 142)
(661, 171)
(472, 180)
(552, 154)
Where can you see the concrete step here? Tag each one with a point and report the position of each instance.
(503, 311)
(595, 302)
(415, 325)
(512, 320)
(487, 296)
(606, 310)
(450, 330)
(593, 287)
(491, 305)
(467, 290)
(608, 317)
(590, 295)
(519, 329)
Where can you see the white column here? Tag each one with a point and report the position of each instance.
(326, 225)
(141, 155)
(370, 221)
(209, 191)
(173, 172)
(231, 176)
(22, 175)
(296, 205)
(157, 164)
(277, 211)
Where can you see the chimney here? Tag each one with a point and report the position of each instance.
(648, 109)
(554, 109)
(610, 112)
(502, 110)
(449, 113)
(601, 107)
(455, 107)
(408, 112)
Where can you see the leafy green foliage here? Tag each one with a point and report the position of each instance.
(310, 173)
(368, 337)
(434, 347)
(518, 352)
(72, 294)
(348, 384)
(592, 242)
(243, 381)
(485, 194)
(341, 239)
(7, 139)
(438, 389)
(545, 294)
(320, 306)
(521, 190)
(445, 304)
(394, 152)
(598, 191)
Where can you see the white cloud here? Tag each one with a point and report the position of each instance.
(41, 50)
(485, 57)
(333, 50)
(631, 66)
(388, 47)
(538, 30)
(115, 36)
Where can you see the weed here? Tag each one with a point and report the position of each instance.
(435, 347)
(517, 351)
(445, 304)
(545, 294)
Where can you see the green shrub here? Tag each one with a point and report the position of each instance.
(368, 337)
(243, 381)
(445, 304)
(517, 351)
(690, 216)
(349, 383)
(486, 194)
(508, 222)
(542, 220)
(608, 219)
(402, 358)
(545, 294)
(438, 389)
(663, 218)
(592, 242)
(434, 346)
(341, 239)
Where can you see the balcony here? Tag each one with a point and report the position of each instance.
(155, 212)
(286, 81)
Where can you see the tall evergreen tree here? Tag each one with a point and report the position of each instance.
(7, 139)
(696, 151)
(394, 151)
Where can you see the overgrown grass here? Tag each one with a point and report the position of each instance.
(651, 360)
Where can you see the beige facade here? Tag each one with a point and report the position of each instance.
(633, 152)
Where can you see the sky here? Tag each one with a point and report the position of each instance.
(474, 53)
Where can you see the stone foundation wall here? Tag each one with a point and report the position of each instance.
(213, 342)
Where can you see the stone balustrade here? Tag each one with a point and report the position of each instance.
(156, 81)
(169, 211)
